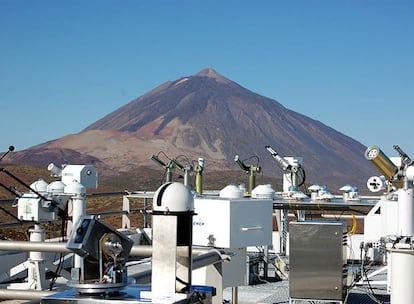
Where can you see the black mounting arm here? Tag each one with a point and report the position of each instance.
(11, 149)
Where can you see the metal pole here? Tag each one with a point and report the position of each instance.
(36, 271)
(187, 177)
(35, 246)
(24, 294)
(126, 222)
(169, 173)
(284, 232)
(78, 197)
(146, 216)
(59, 247)
(137, 250)
(199, 181)
(235, 295)
(252, 181)
(199, 175)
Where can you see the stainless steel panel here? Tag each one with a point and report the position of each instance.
(164, 255)
(317, 257)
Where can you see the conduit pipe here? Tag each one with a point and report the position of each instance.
(33, 246)
(24, 294)
(59, 247)
(137, 250)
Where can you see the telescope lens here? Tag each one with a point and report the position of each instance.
(371, 153)
(381, 161)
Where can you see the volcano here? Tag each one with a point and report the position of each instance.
(210, 116)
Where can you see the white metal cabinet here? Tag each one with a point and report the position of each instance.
(232, 223)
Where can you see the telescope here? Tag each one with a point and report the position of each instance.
(158, 161)
(242, 165)
(282, 162)
(381, 162)
(398, 176)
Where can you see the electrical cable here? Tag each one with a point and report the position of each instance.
(364, 273)
(61, 212)
(163, 153)
(10, 214)
(185, 157)
(163, 178)
(251, 157)
(301, 176)
(354, 225)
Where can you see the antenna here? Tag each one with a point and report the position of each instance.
(11, 149)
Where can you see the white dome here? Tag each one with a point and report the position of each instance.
(56, 187)
(231, 191)
(263, 191)
(40, 185)
(75, 188)
(173, 197)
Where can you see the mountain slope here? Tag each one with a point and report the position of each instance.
(207, 115)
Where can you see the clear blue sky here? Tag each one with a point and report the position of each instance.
(349, 64)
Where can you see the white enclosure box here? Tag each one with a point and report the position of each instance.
(381, 221)
(232, 223)
(86, 175)
(30, 207)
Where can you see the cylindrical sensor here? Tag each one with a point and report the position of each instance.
(410, 173)
(381, 161)
(55, 170)
(405, 212)
(402, 290)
